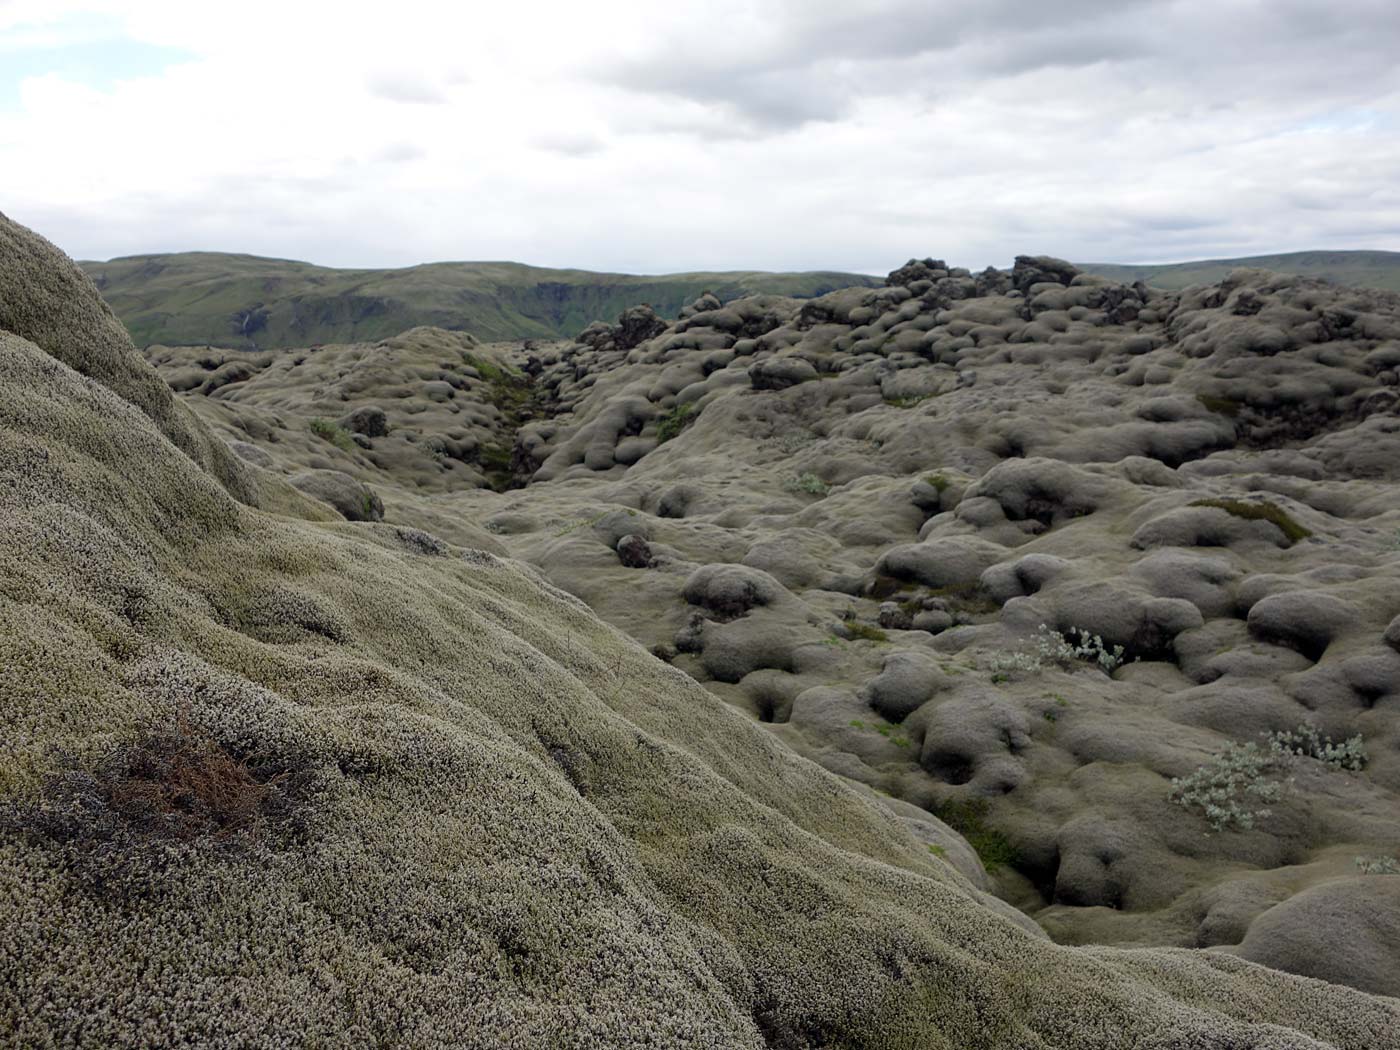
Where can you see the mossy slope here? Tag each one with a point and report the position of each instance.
(513, 826)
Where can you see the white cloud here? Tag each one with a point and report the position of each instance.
(789, 133)
(400, 86)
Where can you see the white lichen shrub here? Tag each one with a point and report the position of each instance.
(1058, 650)
(1235, 789)
(1378, 865)
(1014, 663)
(1307, 742)
(790, 444)
(1088, 648)
(1230, 788)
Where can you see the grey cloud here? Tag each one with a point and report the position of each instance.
(810, 61)
(569, 143)
(815, 60)
(705, 123)
(1180, 223)
(404, 87)
(1052, 49)
(398, 153)
(763, 101)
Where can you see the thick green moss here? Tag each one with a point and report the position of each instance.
(673, 422)
(336, 435)
(1222, 405)
(808, 483)
(908, 402)
(1263, 510)
(865, 632)
(968, 817)
(489, 370)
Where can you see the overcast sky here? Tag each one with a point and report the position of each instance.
(677, 135)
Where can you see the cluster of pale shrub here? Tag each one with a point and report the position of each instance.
(1053, 649)
(1235, 789)
(1378, 865)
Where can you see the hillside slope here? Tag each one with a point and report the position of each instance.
(244, 301)
(248, 302)
(1351, 269)
(271, 782)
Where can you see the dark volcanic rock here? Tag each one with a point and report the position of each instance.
(369, 421)
(634, 552)
(1031, 270)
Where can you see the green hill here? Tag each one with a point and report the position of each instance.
(1361, 269)
(246, 301)
(197, 298)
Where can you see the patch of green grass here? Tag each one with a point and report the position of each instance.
(510, 394)
(334, 433)
(1220, 405)
(579, 523)
(937, 481)
(908, 402)
(938, 851)
(893, 735)
(808, 483)
(865, 632)
(489, 370)
(968, 817)
(495, 457)
(673, 422)
(513, 396)
(1260, 511)
(967, 597)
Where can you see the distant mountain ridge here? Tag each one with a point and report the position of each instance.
(1367, 269)
(246, 301)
